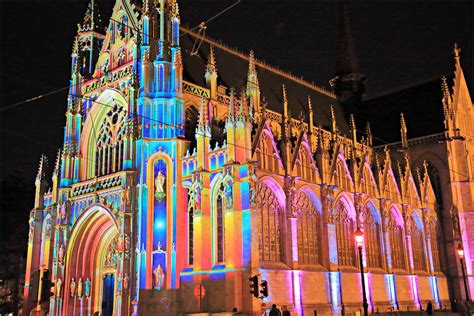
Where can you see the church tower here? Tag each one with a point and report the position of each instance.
(348, 83)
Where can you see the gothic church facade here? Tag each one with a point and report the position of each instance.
(182, 167)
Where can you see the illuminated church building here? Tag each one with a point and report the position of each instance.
(185, 162)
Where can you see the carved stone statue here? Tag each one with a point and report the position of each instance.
(62, 212)
(125, 281)
(159, 277)
(87, 288)
(61, 253)
(58, 285)
(79, 288)
(72, 287)
(159, 183)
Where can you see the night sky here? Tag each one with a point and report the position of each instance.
(398, 44)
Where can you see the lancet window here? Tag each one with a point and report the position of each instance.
(219, 224)
(397, 249)
(110, 147)
(344, 236)
(304, 166)
(372, 231)
(265, 155)
(269, 232)
(343, 180)
(308, 230)
(417, 247)
(434, 247)
(191, 208)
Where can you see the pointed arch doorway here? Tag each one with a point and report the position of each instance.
(93, 264)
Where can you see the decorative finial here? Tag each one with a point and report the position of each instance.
(368, 132)
(58, 161)
(352, 122)
(333, 120)
(456, 51)
(403, 131)
(175, 10)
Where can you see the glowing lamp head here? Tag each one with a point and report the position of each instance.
(359, 236)
(460, 251)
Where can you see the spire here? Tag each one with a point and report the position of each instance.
(353, 129)
(285, 101)
(175, 10)
(346, 57)
(41, 174)
(368, 132)
(333, 121)
(311, 114)
(91, 20)
(348, 83)
(286, 114)
(252, 72)
(57, 164)
(403, 131)
(203, 124)
(211, 73)
(456, 51)
(211, 63)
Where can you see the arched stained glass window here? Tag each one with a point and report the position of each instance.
(219, 224)
(417, 245)
(191, 206)
(397, 250)
(344, 236)
(110, 149)
(269, 230)
(372, 244)
(434, 246)
(308, 230)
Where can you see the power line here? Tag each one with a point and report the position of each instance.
(32, 99)
(297, 163)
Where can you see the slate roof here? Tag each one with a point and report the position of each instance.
(422, 107)
(232, 68)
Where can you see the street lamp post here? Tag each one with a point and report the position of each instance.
(359, 236)
(461, 259)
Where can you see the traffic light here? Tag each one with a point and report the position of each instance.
(264, 290)
(47, 287)
(254, 286)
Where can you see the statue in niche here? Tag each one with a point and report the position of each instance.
(72, 287)
(31, 232)
(159, 277)
(61, 253)
(58, 285)
(87, 288)
(197, 199)
(125, 196)
(119, 284)
(47, 228)
(79, 288)
(228, 194)
(62, 212)
(159, 183)
(125, 282)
